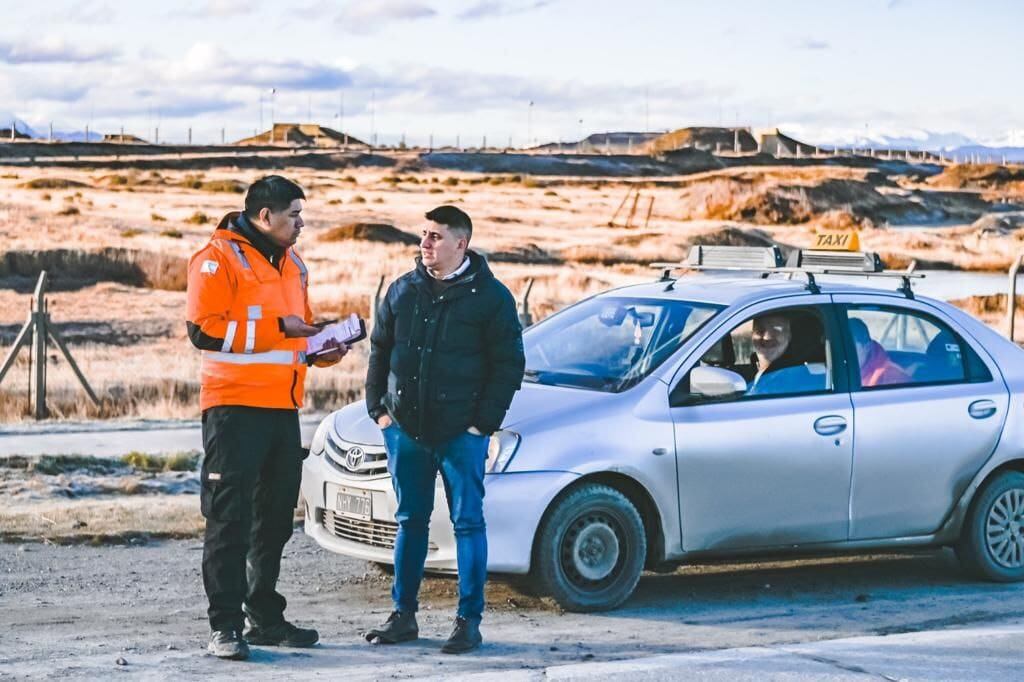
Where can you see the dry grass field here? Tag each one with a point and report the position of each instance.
(115, 244)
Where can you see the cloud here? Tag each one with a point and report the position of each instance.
(87, 13)
(813, 44)
(369, 17)
(217, 9)
(205, 63)
(485, 9)
(53, 50)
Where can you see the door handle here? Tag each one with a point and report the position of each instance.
(982, 409)
(829, 425)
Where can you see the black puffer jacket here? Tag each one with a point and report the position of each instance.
(439, 365)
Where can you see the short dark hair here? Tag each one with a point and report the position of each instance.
(275, 192)
(455, 218)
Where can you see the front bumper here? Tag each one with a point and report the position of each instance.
(514, 504)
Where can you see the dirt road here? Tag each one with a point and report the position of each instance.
(74, 611)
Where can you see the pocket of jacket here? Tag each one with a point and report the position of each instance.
(222, 496)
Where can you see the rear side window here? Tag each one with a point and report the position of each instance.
(895, 347)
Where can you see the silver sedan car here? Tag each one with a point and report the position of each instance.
(708, 417)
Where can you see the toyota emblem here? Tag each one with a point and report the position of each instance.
(353, 458)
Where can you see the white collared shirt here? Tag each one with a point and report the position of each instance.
(458, 271)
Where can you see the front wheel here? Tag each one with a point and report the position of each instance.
(991, 543)
(591, 549)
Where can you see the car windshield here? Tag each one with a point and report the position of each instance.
(609, 344)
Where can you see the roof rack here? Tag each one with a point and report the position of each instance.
(768, 260)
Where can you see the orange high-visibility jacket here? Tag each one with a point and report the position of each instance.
(236, 295)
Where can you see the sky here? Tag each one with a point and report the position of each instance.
(946, 71)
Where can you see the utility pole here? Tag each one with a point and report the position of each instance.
(647, 110)
(373, 117)
(529, 124)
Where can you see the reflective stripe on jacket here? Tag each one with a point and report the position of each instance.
(235, 294)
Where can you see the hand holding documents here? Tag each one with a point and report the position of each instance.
(344, 332)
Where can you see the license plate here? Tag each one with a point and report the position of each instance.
(355, 503)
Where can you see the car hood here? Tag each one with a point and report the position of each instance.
(532, 404)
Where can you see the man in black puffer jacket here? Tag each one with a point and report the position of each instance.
(446, 358)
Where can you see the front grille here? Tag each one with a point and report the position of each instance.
(374, 533)
(372, 461)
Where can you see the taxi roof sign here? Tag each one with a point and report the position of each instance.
(837, 241)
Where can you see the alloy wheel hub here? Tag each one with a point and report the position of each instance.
(1004, 531)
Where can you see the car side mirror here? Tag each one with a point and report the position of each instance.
(710, 384)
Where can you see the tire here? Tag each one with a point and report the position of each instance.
(991, 543)
(590, 549)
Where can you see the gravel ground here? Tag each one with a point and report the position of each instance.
(75, 611)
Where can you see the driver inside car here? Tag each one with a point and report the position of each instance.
(782, 358)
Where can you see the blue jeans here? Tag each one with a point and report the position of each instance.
(414, 467)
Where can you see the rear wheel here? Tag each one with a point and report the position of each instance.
(591, 549)
(991, 543)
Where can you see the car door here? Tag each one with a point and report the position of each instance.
(930, 407)
(760, 470)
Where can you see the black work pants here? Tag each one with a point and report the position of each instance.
(250, 485)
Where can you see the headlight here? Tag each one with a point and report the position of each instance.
(316, 447)
(501, 449)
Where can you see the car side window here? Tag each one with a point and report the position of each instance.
(773, 354)
(898, 347)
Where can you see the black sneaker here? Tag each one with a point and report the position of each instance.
(399, 627)
(228, 644)
(282, 634)
(465, 637)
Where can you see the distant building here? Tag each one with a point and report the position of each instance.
(773, 141)
(124, 139)
(704, 138)
(5, 135)
(619, 142)
(302, 135)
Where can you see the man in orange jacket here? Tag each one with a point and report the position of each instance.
(248, 312)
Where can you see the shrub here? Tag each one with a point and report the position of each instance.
(69, 210)
(198, 218)
(435, 190)
(172, 233)
(131, 232)
(450, 181)
(178, 461)
(157, 218)
(51, 183)
(357, 199)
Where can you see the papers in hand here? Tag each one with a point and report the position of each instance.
(346, 331)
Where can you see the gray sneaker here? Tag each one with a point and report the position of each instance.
(228, 644)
